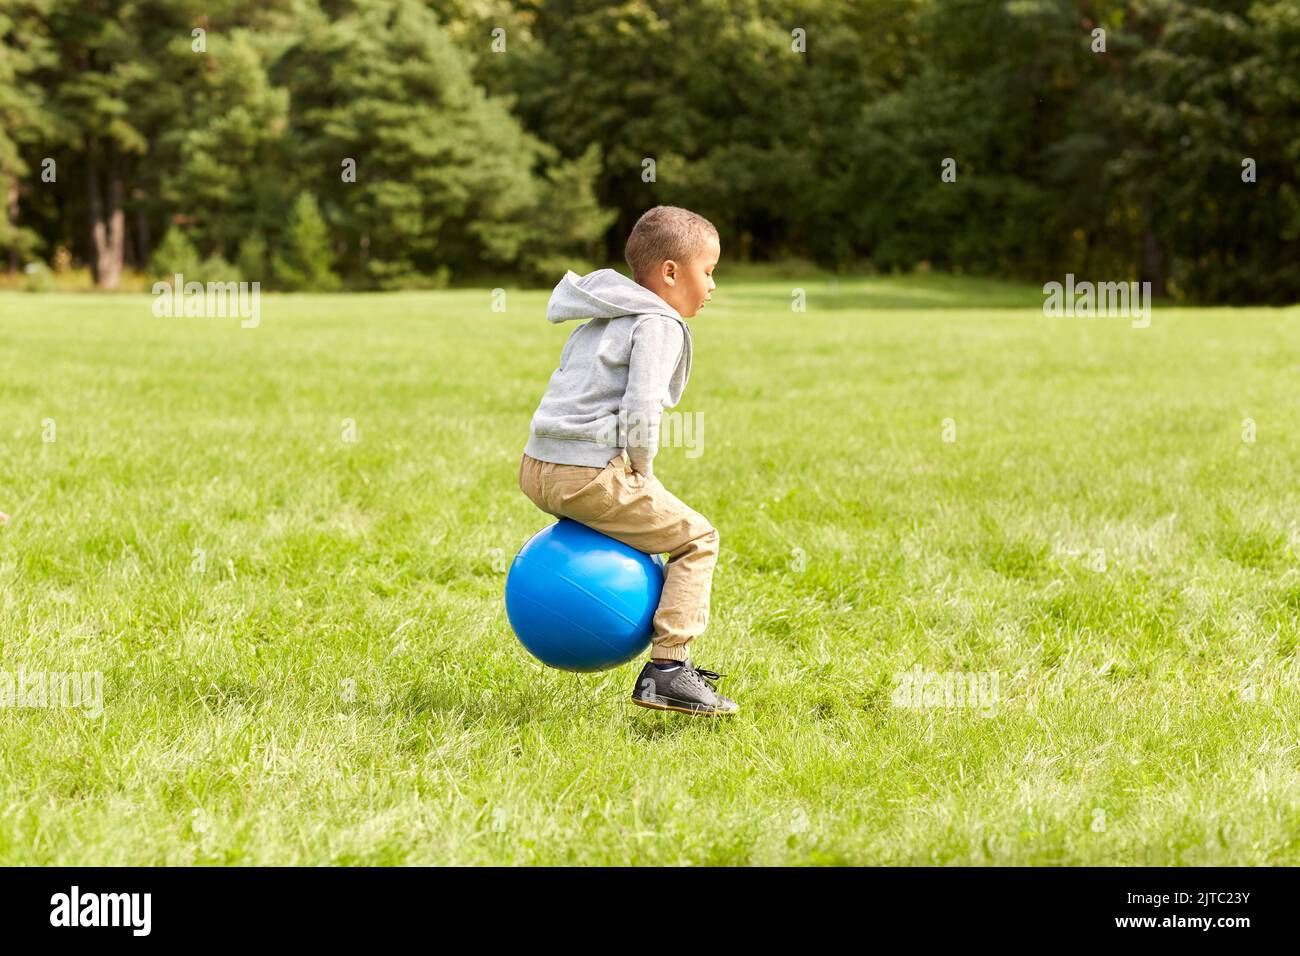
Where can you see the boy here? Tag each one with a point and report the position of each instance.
(617, 373)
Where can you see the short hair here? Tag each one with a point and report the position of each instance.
(666, 232)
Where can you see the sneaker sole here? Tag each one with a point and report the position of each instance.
(693, 711)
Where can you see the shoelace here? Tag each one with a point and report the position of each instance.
(709, 676)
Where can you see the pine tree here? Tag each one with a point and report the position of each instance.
(304, 260)
(252, 261)
(175, 255)
(443, 173)
(22, 120)
(122, 78)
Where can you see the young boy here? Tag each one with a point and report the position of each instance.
(617, 373)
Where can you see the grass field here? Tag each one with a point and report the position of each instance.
(304, 649)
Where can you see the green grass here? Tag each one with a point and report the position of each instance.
(335, 681)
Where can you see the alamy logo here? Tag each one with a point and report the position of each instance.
(1099, 300)
(216, 300)
(103, 909)
(81, 689)
(920, 689)
(642, 429)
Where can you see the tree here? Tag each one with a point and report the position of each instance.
(824, 130)
(304, 261)
(1206, 88)
(417, 169)
(121, 74)
(22, 121)
(175, 255)
(563, 230)
(214, 164)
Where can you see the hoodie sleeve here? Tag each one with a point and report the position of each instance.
(656, 347)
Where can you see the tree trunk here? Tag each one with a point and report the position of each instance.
(13, 222)
(142, 249)
(1154, 267)
(95, 210)
(107, 219)
(116, 221)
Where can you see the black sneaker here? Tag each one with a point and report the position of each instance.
(686, 689)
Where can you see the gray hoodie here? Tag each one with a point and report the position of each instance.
(617, 373)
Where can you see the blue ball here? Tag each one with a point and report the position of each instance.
(580, 601)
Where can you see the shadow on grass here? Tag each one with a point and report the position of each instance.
(556, 698)
(563, 701)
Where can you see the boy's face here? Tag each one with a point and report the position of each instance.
(687, 286)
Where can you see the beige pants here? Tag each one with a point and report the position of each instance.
(640, 512)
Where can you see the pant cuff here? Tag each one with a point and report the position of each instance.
(673, 652)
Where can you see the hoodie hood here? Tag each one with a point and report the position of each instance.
(604, 294)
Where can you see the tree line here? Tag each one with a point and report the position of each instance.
(317, 144)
